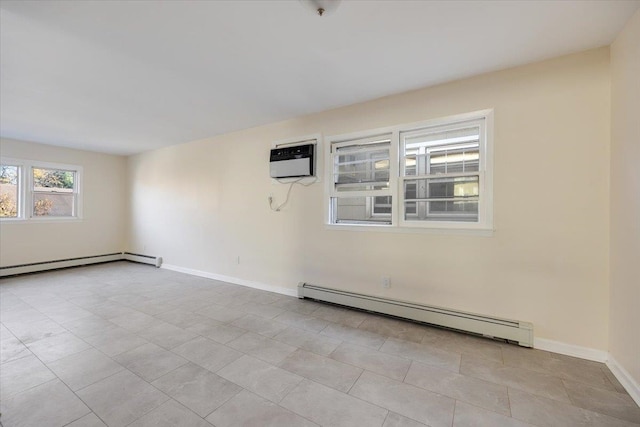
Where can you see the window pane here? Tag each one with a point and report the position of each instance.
(54, 180)
(8, 191)
(362, 167)
(439, 152)
(431, 138)
(442, 188)
(446, 210)
(382, 205)
(53, 204)
(454, 160)
(358, 210)
(410, 165)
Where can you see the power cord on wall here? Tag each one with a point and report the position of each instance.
(286, 200)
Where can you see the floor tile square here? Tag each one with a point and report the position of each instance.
(166, 335)
(22, 374)
(618, 405)
(41, 406)
(90, 420)
(372, 360)
(115, 341)
(57, 346)
(248, 409)
(423, 353)
(197, 388)
(11, 348)
(170, 414)
(328, 407)
(87, 326)
(263, 348)
(322, 369)
(29, 332)
(85, 368)
(539, 383)
(220, 313)
(206, 353)
(421, 405)
(259, 325)
(216, 331)
(471, 416)
(354, 335)
(397, 420)
(315, 343)
(544, 412)
(150, 361)
(260, 377)
(121, 398)
(135, 322)
(301, 321)
(472, 390)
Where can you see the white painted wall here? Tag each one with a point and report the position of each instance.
(102, 229)
(201, 205)
(625, 199)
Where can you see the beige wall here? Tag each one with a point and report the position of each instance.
(625, 198)
(102, 229)
(203, 204)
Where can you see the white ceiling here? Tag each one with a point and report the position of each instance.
(125, 77)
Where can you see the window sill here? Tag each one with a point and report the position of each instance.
(482, 232)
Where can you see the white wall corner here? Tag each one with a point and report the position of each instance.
(626, 380)
(235, 280)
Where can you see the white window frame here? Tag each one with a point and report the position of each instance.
(26, 192)
(20, 202)
(484, 225)
(354, 139)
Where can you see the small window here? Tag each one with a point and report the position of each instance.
(9, 191)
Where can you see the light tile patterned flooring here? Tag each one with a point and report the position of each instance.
(125, 344)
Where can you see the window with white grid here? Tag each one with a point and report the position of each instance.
(361, 178)
(33, 190)
(435, 174)
(441, 173)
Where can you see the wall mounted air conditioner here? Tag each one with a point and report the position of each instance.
(292, 161)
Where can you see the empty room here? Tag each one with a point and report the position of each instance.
(319, 213)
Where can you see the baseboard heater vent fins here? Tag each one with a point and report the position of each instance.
(13, 270)
(512, 330)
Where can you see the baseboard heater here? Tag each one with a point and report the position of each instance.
(512, 330)
(34, 267)
(144, 259)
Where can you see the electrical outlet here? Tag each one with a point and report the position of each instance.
(386, 282)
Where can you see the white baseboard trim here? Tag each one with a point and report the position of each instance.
(234, 280)
(571, 350)
(626, 380)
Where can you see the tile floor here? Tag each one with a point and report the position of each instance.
(124, 344)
